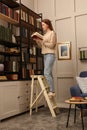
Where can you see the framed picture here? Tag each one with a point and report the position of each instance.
(64, 51)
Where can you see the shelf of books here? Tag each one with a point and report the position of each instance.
(30, 23)
(9, 47)
(8, 19)
(83, 53)
(19, 55)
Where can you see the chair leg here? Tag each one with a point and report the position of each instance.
(68, 115)
(82, 118)
(75, 114)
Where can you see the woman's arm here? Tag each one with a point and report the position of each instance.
(38, 42)
(52, 43)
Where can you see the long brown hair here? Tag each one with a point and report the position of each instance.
(48, 22)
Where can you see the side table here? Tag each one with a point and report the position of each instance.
(81, 110)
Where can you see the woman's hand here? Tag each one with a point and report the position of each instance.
(37, 39)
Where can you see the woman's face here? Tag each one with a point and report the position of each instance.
(44, 26)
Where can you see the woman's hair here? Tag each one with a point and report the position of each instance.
(48, 22)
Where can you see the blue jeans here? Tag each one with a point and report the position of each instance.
(48, 64)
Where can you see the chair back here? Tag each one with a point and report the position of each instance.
(75, 91)
(83, 74)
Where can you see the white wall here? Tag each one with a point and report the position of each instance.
(69, 19)
(28, 3)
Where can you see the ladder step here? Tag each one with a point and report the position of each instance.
(55, 107)
(53, 102)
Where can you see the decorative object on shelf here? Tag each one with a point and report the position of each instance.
(83, 53)
(1, 67)
(13, 38)
(3, 77)
(12, 77)
(64, 50)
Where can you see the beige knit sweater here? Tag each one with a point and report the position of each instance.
(48, 44)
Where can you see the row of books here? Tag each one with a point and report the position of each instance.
(32, 50)
(29, 18)
(24, 32)
(28, 73)
(39, 24)
(4, 9)
(11, 66)
(83, 54)
(24, 16)
(5, 33)
(25, 56)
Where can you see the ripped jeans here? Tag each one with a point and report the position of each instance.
(48, 65)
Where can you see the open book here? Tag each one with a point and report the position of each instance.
(37, 35)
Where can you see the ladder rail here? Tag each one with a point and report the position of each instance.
(31, 97)
(46, 96)
(42, 82)
(36, 98)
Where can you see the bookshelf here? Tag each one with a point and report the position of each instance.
(9, 49)
(8, 19)
(18, 58)
(21, 58)
(31, 56)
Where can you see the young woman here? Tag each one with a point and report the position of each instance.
(48, 45)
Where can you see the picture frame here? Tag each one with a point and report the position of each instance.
(64, 50)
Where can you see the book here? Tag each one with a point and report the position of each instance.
(37, 35)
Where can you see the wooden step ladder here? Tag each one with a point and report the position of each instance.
(40, 80)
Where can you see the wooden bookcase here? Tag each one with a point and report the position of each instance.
(31, 57)
(9, 49)
(22, 58)
(15, 84)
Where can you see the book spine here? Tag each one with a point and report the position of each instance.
(16, 16)
(0, 7)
